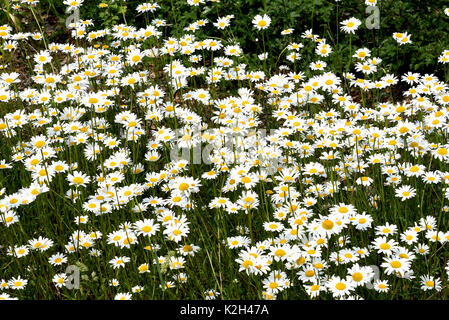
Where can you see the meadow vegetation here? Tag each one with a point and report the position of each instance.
(214, 149)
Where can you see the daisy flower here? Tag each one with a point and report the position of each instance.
(402, 37)
(350, 25)
(78, 179)
(261, 22)
(396, 265)
(318, 65)
(73, 4)
(360, 275)
(17, 283)
(382, 245)
(146, 227)
(118, 262)
(339, 287)
(123, 296)
(405, 192)
(57, 259)
(381, 286)
(211, 294)
(287, 31)
(430, 283)
(314, 290)
(59, 279)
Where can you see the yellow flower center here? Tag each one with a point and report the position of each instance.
(340, 286)
(327, 224)
(357, 276)
(183, 186)
(395, 264)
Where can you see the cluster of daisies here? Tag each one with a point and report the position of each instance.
(342, 195)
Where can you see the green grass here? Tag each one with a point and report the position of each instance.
(323, 125)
